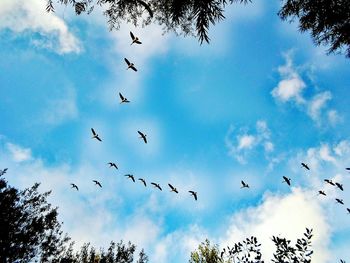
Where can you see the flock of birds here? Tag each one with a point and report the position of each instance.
(320, 192)
(142, 136)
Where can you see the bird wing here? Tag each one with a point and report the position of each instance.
(93, 131)
(132, 35)
(172, 187)
(140, 133)
(98, 138)
(144, 139)
(133, 68)
(127, 61)
(154, 184)
(121, 96)
(138, 42)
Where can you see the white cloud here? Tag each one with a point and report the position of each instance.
(240, 144)
(245, 142)
(285, 216)
(290, 88)
(317, 103)
(333, 117)
(31, 16)
(18, 153)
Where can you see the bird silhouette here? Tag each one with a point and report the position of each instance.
(194, 194)
(143, 136)
(130, 65)
(95, 135)
(305, 166)
(286, 180)
(329, 181)
(244, 185)
(123, 99)
(97, 183)
(340, 186)
(321, 193)
(131, 177)
(143, 181)
(134, 39)
(348, 209)
(74, 186)
(173, 189)
(340, 201)
(157, 186)
(2, 172)
(342, 261)
(113, 165)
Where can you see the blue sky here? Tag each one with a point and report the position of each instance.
(252, 105)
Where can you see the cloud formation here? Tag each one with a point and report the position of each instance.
(282, 215)
(291, 88)
(31, 16)
(240, 144)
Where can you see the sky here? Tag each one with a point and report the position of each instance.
(252, 105)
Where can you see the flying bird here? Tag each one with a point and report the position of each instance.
(194, 194)
(286, 180)
(131, 177)
(97, 183)
(340, 201)
(134, 39)
(329, 181)
(244, 185)
(143, 181)
(340, 186)
(173, 189)
(113, 165)
(321, 193)
(75, 186)
(305, 166)
(143, 136)
(130, 65)
(95, 135)
(157, 186)
(2, 172)
(123, 99)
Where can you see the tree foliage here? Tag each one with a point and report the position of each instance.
(186, 17)
(327, 20)
(116, 253)
(31, 232)
(248, 251)
(205, 253)
(29, 228)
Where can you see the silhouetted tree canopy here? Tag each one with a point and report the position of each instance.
(327, 20)
(30, 232)
(181, 16)
(29, 227)
(248, 251)
(116, 253)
